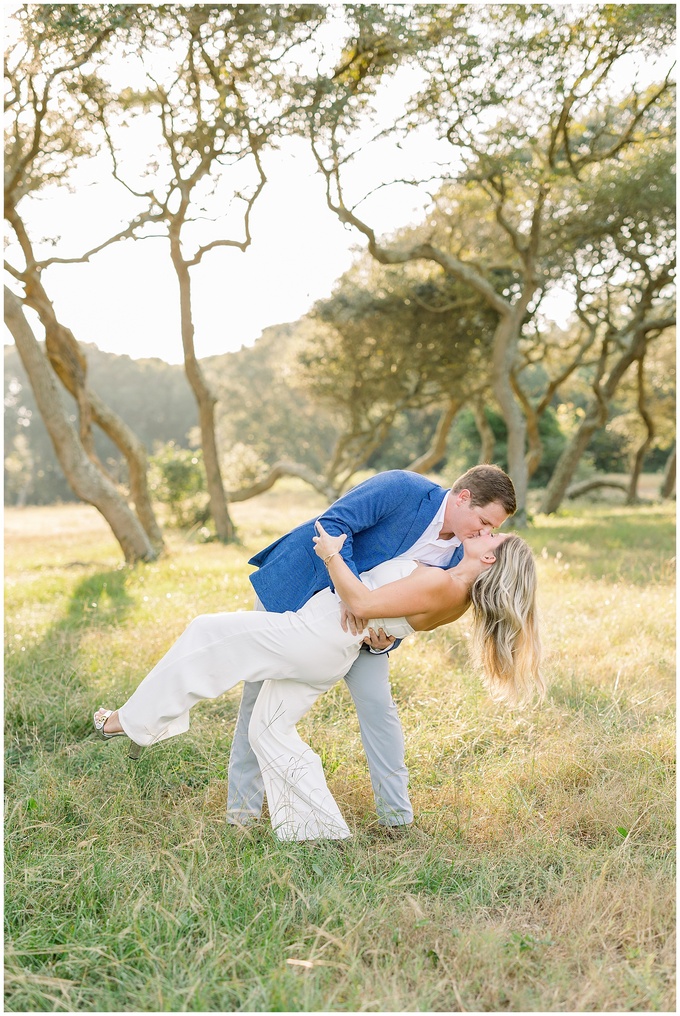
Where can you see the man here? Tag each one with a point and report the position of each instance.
(397, 514)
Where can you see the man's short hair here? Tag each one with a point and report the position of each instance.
(486, 484)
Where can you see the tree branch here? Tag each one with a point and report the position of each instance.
(625, 138)
(424, 251)
(14, 272)
(140, 220)
(240, 244)
(40, 108)
(284, 468)
(454, 305)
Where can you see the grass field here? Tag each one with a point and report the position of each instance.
(539, 875)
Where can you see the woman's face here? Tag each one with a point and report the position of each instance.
(483, 545)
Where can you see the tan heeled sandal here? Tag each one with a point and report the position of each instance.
(134, 751)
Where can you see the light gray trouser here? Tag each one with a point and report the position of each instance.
(381, 735)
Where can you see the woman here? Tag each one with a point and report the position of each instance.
(301, 654)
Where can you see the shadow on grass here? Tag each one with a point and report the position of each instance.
(43, 689)
(99, 600)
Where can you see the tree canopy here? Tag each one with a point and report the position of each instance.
(553, 128)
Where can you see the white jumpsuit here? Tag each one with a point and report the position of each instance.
(298, 655)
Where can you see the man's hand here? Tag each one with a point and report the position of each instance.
(349, 622)
(379, 640)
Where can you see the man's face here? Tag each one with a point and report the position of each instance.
(465, 521)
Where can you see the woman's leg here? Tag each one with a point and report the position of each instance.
(217, 651)
(301, 806)
(195, 667)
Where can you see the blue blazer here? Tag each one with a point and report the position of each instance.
(382, 517)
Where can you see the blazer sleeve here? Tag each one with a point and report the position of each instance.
(371, 503)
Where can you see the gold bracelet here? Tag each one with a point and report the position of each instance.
(327, 559)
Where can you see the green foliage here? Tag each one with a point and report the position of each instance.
(242, 467)
(73, 20)
(388, 346)
(388, 341)
(153, 397)
(177, 479)
(45, 140)
(466, 441)
(409, 436)
(264, 405)
(532, 99)
(609, 451)
(624, 213)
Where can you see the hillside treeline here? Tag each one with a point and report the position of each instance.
(267, 412)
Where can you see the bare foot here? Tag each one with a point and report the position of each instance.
(112, 724)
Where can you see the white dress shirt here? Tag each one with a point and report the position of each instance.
(428, 548)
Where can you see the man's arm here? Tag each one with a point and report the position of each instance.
(360, 508)
(367, 504)
(365, 507)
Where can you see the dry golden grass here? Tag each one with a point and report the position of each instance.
(539, 876)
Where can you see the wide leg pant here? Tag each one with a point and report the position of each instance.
(298, 656)
(381, 735)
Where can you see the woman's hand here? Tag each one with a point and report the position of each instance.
(325, 544)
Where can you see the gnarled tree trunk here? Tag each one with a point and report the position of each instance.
(569, 460)
(649, 436)
(485, 431)
(59, 339)
(504, 352)
(83, 476)
(435, 453)
(70, 364)
(577, 489)
(205, 397)
(595, 417)
(668, 482)
(285, 468)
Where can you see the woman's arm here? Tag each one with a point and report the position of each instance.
(379, 501)
(426, 590)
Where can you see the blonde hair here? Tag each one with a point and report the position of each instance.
(505, 639)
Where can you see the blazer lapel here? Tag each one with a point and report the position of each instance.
(429, 507)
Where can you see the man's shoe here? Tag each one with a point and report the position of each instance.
(408, 831)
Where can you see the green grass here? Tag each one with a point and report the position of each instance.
(539, 876)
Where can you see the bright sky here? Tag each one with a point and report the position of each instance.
(126, 299)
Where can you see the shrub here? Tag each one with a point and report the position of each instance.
(177, 479)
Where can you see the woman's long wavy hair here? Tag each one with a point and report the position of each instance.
(505, 639)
